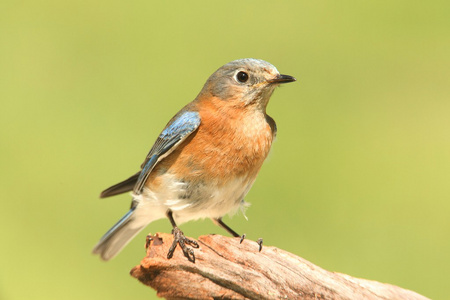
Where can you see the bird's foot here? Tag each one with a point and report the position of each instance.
(242, 238)
(180, 239)
(259, 241)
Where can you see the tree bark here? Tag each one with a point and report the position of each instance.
(226, 269)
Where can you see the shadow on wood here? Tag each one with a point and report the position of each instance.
(225, 269)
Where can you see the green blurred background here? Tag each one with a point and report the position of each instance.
(357, 181)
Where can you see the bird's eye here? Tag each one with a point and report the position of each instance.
(242, 77)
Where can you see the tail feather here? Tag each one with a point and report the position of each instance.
(119, 235)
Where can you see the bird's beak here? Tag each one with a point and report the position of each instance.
(282, 79)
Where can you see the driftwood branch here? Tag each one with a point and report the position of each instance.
(225, 269)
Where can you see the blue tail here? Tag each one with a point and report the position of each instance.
(119, 235)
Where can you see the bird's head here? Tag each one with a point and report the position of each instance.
(245, 82)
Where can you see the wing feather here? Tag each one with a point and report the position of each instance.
(178, 129)
(121, 187)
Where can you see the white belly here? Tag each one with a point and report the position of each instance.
(193, 201)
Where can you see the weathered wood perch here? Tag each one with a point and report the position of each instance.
(225, 269)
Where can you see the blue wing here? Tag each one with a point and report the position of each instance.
(178, 129)
(121, 187)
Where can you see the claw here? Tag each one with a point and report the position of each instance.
(148, 240)
(242, 238)
(180, 239)
(260, 242)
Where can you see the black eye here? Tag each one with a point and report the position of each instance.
(242, 77)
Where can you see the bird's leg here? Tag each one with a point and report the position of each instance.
(219, 222)
(180, 239)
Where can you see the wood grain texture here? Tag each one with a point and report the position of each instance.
(225, 269)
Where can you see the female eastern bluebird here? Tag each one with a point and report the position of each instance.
(205, 160)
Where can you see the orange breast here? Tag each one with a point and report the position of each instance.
(230, 142)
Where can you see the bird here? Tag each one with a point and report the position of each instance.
(205, 160)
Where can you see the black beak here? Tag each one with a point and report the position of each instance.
(282, 79)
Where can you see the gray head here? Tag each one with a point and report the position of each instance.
(245, 81)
